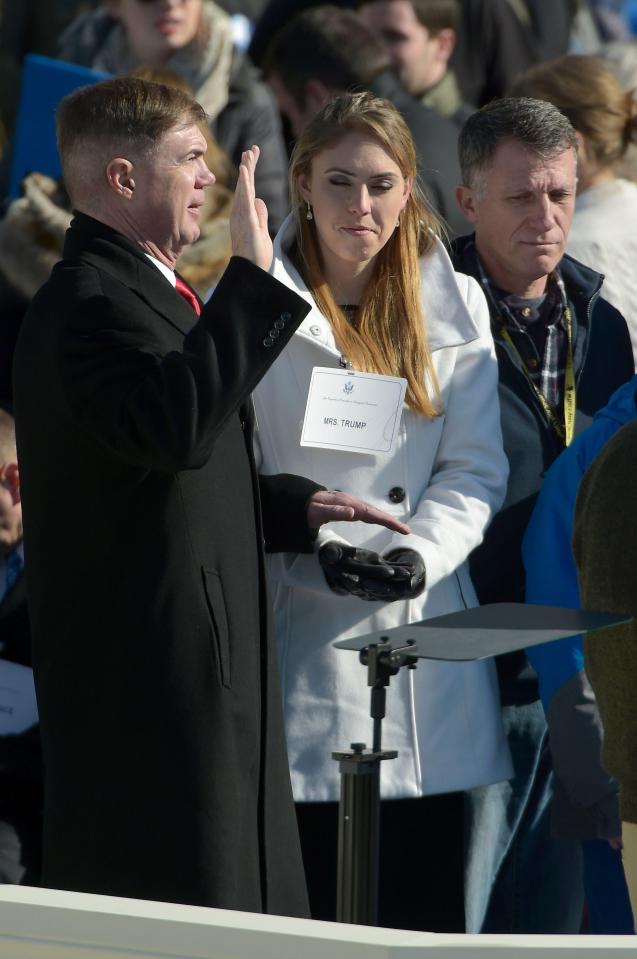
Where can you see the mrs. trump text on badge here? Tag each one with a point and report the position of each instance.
(351, 411)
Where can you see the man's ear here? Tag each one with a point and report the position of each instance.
(466, 198)
(10, 475)
(446, 43)
(119, 176)
(582, 152)
(316, 95)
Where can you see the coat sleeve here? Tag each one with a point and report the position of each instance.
(284, 501)
(468, 480)
(551, 575)
(585, 805)
(163, 409)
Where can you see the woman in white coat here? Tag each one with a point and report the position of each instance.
(361, 247)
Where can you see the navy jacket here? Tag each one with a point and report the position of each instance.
(603, 361)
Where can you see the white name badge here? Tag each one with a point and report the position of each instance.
(18, 707)
(354, 412)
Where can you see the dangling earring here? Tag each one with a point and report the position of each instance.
(309, 215)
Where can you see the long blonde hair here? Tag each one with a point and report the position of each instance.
(390, 335)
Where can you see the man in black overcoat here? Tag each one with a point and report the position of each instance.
(166, 771)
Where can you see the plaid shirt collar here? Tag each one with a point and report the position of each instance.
(545, 371)
(502, 309)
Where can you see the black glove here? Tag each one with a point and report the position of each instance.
(414, 577)
(362, 573)
(359, 572)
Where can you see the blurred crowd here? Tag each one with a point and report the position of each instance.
(537, 847)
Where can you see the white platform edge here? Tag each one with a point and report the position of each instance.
(52, 924)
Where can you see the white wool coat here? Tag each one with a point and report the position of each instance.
(443, 718)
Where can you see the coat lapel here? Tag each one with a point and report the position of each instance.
(447, 319)
(112, 253)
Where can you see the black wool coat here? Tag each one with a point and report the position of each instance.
(166, 770)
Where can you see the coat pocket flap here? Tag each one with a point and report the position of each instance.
(217, 608)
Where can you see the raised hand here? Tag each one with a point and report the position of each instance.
(249, 216)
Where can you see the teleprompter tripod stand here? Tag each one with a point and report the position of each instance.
(468, 635)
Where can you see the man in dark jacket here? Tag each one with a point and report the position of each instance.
(562, 351)
(166, 771)
(325, 51)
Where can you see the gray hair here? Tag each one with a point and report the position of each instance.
(125, 116)
(536, 124)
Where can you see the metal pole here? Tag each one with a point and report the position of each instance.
(358, 837)
(359, 807)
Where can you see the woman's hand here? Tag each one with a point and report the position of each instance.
(365, 574)
(249, 216)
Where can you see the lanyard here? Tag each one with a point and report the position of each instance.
(564, 430)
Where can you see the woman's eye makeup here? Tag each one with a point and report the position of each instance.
(380, 186)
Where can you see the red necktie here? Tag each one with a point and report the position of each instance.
(184, 290)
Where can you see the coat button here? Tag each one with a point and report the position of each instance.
(279, 325)
(286, 317)
(315, 330)
(396, 494)
(273, 333)
(268, 342)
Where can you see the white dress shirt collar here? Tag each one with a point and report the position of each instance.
(168, 273)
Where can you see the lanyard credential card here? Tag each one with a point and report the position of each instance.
(565, 430)
(353, 412)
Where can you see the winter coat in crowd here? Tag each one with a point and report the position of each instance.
(445, 478)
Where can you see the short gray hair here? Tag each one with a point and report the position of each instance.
(536, 124)
(125, 116)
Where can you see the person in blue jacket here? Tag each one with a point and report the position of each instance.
(585, 796)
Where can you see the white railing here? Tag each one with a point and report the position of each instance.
(49, 924)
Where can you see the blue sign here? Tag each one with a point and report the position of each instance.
(44, 83)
